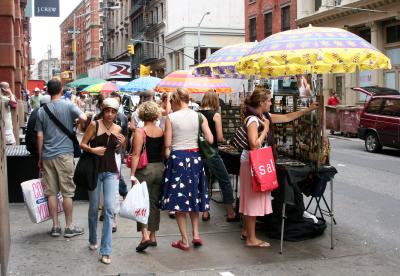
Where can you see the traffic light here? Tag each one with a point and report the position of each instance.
(131, 49)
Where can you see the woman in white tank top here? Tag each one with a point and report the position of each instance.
(185, 183)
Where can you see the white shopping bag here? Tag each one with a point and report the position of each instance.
(136, 204)
(36, 201)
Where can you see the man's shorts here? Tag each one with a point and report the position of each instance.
(58, 176)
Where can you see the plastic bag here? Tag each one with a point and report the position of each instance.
(36, 201)
(136, 205)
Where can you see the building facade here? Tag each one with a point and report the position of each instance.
(377, 21)
(266, 17)
(88, 38)
(221, 25)
(14, 44)
(116, 31)
(47, 69)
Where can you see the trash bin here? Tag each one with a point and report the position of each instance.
(332, 118)
(349, 119)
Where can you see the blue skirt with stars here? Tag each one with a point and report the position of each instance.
(185, 183)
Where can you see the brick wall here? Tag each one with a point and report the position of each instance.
(257, 9)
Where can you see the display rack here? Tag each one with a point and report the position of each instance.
(301, 138)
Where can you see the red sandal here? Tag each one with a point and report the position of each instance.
(180, 245)
(197, 242)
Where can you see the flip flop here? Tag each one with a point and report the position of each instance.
(197, 242)
(259, 245)
(180, 245)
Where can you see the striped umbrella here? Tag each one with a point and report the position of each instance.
(185, 79)
(221, 64)
(312, 50)
(106, 88)
(141, 84)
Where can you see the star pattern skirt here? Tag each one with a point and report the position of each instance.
(185, 183)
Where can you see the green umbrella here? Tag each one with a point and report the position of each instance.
(85, 82)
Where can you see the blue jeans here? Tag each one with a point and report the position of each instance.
(108, 183)
(217, 168)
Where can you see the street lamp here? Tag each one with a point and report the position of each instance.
(74, 31)
(198, 36)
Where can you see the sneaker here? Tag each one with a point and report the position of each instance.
(55, 232)
(72, 232)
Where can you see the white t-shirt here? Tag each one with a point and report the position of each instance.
(185, 128)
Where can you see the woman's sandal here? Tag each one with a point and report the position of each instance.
(205, 217)
(243, 237)
(259, 245)
(197, 242)
(93, 247)
(105, 259)
(180, 245)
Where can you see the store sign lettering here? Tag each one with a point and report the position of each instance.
(47, 8)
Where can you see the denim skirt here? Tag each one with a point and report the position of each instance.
(184, 183)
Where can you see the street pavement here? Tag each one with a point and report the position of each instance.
(367, 240)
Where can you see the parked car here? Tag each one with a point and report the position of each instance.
(380, 119)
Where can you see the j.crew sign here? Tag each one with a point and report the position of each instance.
(47, 8)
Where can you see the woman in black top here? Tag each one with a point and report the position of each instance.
(151, 139)
(104, 137)
(209, 108)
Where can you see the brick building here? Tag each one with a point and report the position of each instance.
(88, 39)
(266, 17)
(14, 44)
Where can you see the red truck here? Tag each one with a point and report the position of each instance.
(32, 84)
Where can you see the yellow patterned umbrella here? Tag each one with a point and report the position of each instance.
(311, 50)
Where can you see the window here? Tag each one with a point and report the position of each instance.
(285, 18)
(267, 24)
(394, 55)
(375, 106)
(252, 29)
(163, 44)
(156, 15)
(393, 34)
(391, 107)
(317, 4)
(162, 11)
(365, 34)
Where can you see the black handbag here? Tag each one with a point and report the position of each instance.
(71, 135)
(86, 171)
(206, 150)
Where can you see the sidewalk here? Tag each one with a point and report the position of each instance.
(34, 252)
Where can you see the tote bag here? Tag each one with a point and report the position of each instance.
(37, 202)
(263, 170)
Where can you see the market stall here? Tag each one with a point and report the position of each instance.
(303, 147)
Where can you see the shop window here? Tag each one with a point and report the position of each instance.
(252, 29)
(375, 106)
(393, 55)
(393, 34)
(267, 24)
(285, 18)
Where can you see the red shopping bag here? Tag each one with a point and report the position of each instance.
(263, 170)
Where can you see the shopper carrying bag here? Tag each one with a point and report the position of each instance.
(136, 204)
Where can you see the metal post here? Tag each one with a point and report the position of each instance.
(198, 37)
(74, 46)
(331, 213)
